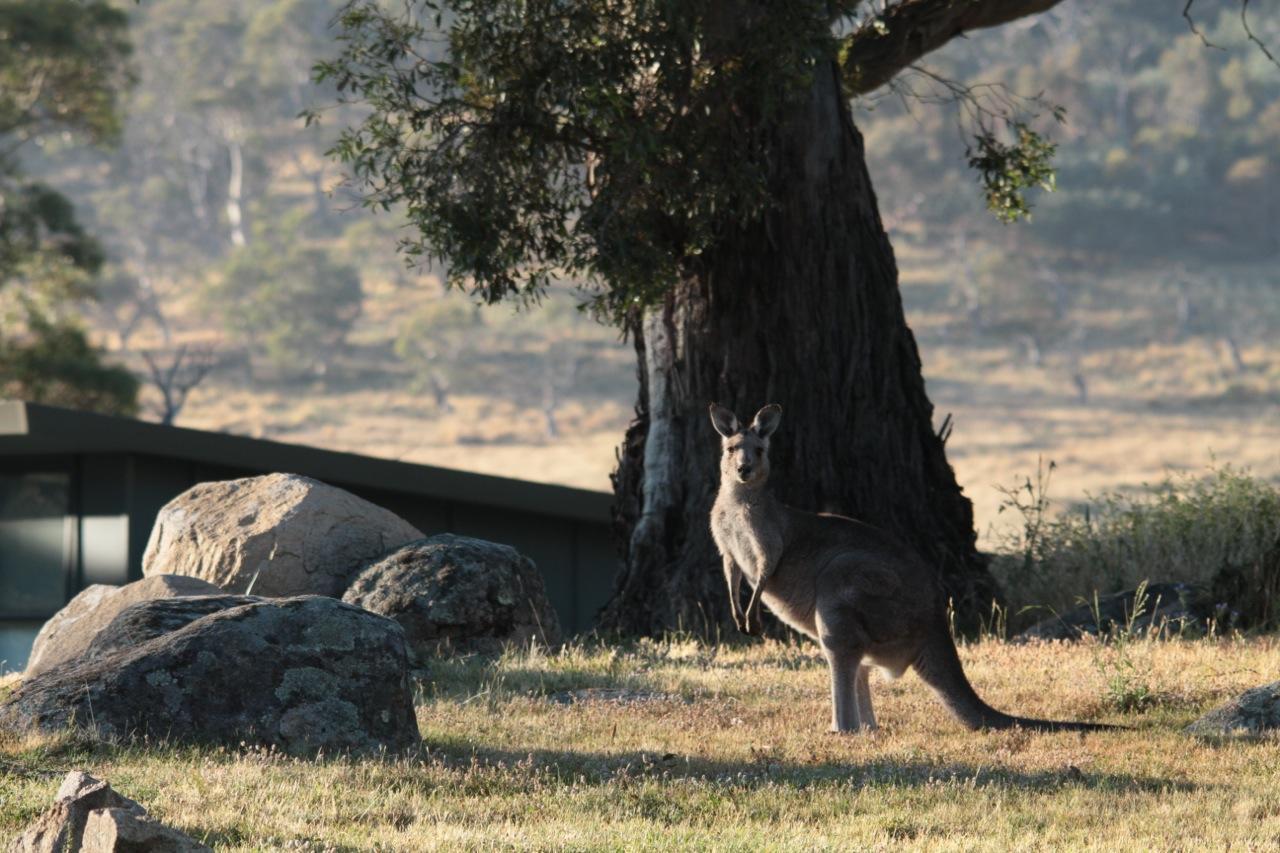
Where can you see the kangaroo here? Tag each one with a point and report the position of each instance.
(862, 595)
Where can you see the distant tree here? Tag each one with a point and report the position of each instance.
(289, 302)
(696, 165)
(62, 68)
(56, 365)
(437, 342)
(176, 376)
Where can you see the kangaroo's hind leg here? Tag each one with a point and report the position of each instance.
(844, 697)
(862, 694)
(843, 650)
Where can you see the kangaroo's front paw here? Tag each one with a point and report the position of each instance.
(753, 623)
(739, 622)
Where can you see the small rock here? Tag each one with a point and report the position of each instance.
(72, 629)
(455, 593)
(61, 827)
(283, 533)
(1251, 713)
(125, 831)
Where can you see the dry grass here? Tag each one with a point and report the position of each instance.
(726, 748)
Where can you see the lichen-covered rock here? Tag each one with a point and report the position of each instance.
(1166, 606)
(454, 593)
(1251, 713)
(138, 624)
(281, 533)
(71, 630)
(301, 674)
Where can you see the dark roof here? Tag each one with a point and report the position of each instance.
(28, 428)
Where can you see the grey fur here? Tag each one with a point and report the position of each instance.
(866, 598)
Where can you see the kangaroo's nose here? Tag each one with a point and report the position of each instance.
(744, 470)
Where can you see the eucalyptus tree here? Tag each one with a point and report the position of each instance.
(63, 65)
(695, 165)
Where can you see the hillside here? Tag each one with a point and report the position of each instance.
(1127, 329)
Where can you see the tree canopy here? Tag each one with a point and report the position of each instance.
(609, 142)
(62, 71)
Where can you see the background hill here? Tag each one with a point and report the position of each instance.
(1128, 328)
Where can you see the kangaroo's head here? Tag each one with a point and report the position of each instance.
(744, 456)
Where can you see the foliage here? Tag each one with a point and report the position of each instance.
(61, 72)
(1008, 170)
(46, 265)
(290, 302)
(56, 365)
(1220, 532)
(1169, 152)
(63, 67)
(611, 142)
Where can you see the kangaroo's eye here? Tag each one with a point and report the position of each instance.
(731, 450)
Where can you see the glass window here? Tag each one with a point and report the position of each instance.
(34, 523)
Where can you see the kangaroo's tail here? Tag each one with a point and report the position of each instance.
(938, 665)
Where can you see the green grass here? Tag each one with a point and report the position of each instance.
(727, 748)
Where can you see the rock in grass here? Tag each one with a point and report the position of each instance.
(88, 816)
(295, 535)
(1165, 606)
(455, 593)
(1251, 713)
(302, 675)
(125, 831)
(72, 629)
(62, 825)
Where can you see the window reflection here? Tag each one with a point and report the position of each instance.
(33, 523)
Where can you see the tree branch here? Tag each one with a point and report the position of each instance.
(886, 44)
(1244, 22)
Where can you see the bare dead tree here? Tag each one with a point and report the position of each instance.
(186, 368)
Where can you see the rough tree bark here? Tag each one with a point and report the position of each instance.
(804, 310)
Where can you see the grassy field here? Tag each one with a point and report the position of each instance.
(676, 744)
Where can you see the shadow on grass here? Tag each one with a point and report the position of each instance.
(476, 772)
(467, 680)
(595, 768)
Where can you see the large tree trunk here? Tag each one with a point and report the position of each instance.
(802, 309)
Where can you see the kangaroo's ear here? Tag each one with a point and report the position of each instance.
(725, 421)
(766, 420)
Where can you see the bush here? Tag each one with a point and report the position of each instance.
(1220, 532)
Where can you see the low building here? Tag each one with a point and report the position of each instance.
(79, 493)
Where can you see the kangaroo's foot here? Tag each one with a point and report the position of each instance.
(856, 729)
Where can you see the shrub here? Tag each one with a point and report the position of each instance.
(1220, 532)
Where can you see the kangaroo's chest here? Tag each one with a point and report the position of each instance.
(740, 537)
